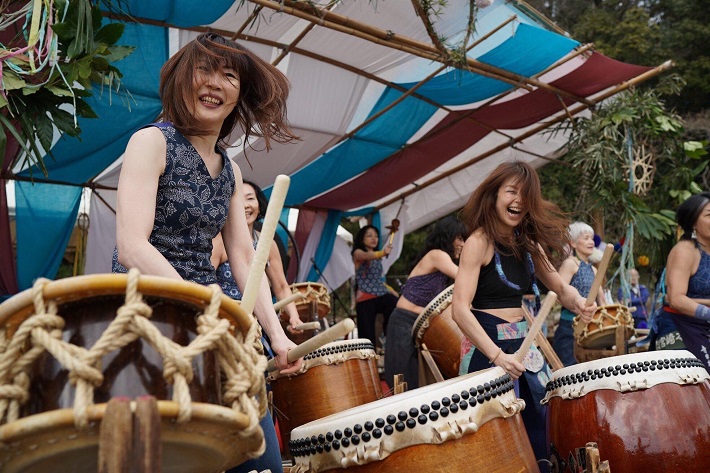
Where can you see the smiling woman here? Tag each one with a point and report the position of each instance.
(178, 189)
(509, 224)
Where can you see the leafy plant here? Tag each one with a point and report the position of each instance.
(46, 80)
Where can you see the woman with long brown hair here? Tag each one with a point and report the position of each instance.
(513, 234)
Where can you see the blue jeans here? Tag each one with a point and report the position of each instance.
(271, 459)
(563, 342)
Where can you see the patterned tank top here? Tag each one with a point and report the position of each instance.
(582, 281)
(369, 278)
(190, 209)
(699, 283)
(421, 290)
(225, 277)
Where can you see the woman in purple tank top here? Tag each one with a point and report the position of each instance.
(432, 272)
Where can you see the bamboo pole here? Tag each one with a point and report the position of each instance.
(390, 39)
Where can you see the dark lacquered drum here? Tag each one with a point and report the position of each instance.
(600, 332)
(648, 412)
(338, 376)
(436, 329)
(470, 423)
(52, 428)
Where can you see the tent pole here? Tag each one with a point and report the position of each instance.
(389, 39)
(621, 87)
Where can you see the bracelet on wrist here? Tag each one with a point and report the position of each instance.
(500, 350)
(702, 312)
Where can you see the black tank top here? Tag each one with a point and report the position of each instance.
(492, 292)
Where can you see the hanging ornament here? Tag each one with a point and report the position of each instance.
(643, 260)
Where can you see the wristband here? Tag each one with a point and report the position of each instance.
(500, 350)
(702, 312)
(379, 253)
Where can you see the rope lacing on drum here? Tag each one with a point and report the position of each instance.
(237, 354)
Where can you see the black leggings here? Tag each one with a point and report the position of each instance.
(367, 312)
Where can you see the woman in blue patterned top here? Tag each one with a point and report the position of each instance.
(577, 271)
(177, 187)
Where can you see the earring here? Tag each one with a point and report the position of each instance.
(694, 235)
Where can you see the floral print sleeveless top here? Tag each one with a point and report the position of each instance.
(369, 278)
(190, 209)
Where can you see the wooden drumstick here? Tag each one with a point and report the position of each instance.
(599, 277)
(596, 284)
(544, 345)
(287, 300)
(550, 299)
(306, 326)
(273, 212)
(338, 330)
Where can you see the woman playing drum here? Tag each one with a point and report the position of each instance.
(688, 277)
(510, 226)
(432, 272)
(178, 188)
(373, 296)
(578, 271)
(255, 204)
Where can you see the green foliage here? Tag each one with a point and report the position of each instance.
(34, 100)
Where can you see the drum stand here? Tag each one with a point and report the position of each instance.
(429, 372)
(130, 441)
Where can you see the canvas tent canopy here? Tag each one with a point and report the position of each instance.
(389, 126)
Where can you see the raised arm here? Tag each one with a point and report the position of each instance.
(143, 163)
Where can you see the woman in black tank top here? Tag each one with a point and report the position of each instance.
(510, 224)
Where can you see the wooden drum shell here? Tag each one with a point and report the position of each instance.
(324, 390)
(469, 423)
(443, 339)
(477, 452)
(645, 420)
(653, 430)
(600, 332)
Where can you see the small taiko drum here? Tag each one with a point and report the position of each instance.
(469, 423)
(435, 328)
(337, 376)
(600, 332)
(313, 306)
(71, 345)
(648, 412)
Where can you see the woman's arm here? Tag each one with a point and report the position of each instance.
(568, 296)
(683, 261)
(143, 163)
(473, 256)
(240, 251)
(360, 256)
(282, 290)
(436, 260)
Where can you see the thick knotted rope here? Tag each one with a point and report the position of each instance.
(238, 355)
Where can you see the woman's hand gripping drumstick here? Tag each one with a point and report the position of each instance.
(307, 326)
(596, 284)
(533, 331)
(337, 331)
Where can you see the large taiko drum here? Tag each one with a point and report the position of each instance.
(71, 345)
(436, 329)
(648, 412)
(337, 376)
(469, 423)
(600, 332)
